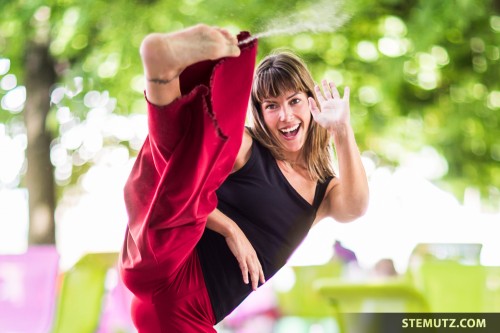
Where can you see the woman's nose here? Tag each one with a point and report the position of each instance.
(286, 113)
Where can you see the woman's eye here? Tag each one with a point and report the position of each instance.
(295, 101)
(270, 106)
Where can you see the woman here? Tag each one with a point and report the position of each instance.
(215, 208)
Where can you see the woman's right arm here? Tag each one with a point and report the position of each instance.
(239, 245)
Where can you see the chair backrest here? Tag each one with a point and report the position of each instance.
(303, 300)
(28, 284)
(492, 291)
(450, 286)
(82, 293)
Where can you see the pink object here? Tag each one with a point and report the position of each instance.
(28, 284)
(116, 316)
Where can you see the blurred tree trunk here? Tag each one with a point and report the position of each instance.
(40, 77)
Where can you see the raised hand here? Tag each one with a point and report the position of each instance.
(333, 112)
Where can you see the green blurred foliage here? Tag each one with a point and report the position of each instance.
(421, 72)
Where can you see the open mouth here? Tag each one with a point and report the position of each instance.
(290, 132)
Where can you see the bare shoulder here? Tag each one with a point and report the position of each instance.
(244, 152)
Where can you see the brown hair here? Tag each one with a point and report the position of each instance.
(280, 72)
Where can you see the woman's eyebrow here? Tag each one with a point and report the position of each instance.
(272, 100)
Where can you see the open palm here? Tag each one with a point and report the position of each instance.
(333, 111)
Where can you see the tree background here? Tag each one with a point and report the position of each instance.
(423, 75)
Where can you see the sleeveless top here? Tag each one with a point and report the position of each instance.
(271, 213)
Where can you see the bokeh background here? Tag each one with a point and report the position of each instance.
(425, 103)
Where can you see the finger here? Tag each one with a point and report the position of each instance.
(254, 272)
(347, 93)
(319, 94)
(334, 90)
(313, 107)
(262, 277)
(244, 272)
(326, 89)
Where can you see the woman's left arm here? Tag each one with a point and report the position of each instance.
(347, 195)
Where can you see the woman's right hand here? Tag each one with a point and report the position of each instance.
(239, 245)
(246, 256)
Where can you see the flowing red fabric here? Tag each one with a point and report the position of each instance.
(190, 150)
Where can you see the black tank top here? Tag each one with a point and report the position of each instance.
(272, 214)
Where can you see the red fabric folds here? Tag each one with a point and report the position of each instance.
(190, 150)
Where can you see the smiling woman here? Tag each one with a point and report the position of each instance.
(282, 115)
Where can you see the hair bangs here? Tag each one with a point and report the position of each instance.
(275, 81)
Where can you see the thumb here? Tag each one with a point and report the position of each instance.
(313, 107)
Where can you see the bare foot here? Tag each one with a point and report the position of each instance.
(166, 55)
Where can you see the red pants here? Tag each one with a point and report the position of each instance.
(190, 150)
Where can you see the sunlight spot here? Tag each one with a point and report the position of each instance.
(63, 172)
(495, 23)
(426, 61)
(369, 95)
(94, 99)
(392, 47)
(79, 42)
(480, 64)
(4, 65)
(14, 218)
(14, 100)
(493, 52)
(57, 95)
(58, 155)
(93, 141)
(63, 115)
(137, 84)
(303, 42)
(495, 152)
(477, 44)
(110, 66)
(42, 14)
(410, 67)
(494, 100)
(73, 137)
(394, 26)
(367, 51)
(8, 82)
(479, 91)
(428, 80)
(120, 127)
(12, 159)
(335, 76)
(74, 87)
(440, 55)
(71, 16)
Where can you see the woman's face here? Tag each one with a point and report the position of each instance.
(288, 117)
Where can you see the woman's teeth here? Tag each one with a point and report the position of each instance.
(291, 131)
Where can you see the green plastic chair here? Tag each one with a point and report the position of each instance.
(435, 286)
(302, 307)
(492, 289)
(450, 286)
(82, 293)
